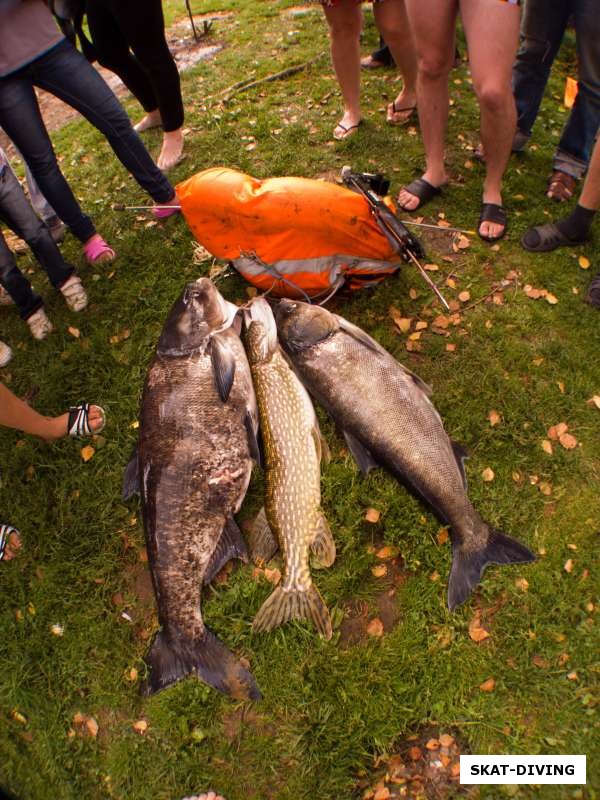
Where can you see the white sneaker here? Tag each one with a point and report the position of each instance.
(39, 324)
(5, 354)
(74, 294)
(5, 298)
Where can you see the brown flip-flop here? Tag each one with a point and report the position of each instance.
(561, 186)
(347, 131)
(392, 111)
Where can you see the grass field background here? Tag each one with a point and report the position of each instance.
(329, 708)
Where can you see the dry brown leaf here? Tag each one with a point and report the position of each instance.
(488, 474)
(446, 740)
(568, 441)
(431, 267)
(433, 744)
(547, 447)
(594, 401)
(442, 536)
(550, 298)
(87, 452)
(476, 631)
(556, 431)
(441, 321)
(421, 325)
(561, 386)
(522, 584)
(568, 565)
(462, 242)
(540, 662)
(389, 551)
(450, 282)
(413, 294)
(415, 753)
(140, 726)
(545, 488)
(572, 676)
(382, 793)
(74, 331)
(372, 515)
(488, 686)
(18, 717)
(273, 575)
(584, 262)
(379, 571)
(464, 296)
(375, 627)
(494, 417)
(91, 727)
(450, 348)
(414, 337)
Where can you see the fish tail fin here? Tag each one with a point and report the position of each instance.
(231, 544)
(171, 660)
(468, 566)
(285, 604)
(323, 546)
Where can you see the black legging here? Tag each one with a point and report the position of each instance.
(149, 72)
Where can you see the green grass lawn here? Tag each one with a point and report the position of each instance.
(329, 708)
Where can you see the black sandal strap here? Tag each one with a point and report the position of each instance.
(423, 190)
(492, 212)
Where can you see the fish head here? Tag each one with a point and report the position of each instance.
(300, 325)
(261, 333)
(199, 312)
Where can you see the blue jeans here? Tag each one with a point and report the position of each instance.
(65, 73)
(542, 30)
(20, 217)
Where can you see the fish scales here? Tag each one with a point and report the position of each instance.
(291, 441)
(194, 463)
(387, 419)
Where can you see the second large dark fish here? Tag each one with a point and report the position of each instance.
(198, 427)
(387, 419)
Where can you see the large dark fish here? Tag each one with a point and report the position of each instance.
(387, 419)
(198, 428)
(292, 461)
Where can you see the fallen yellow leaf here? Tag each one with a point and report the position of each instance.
(488, 474)
(488, 686)
(87, 452)
(372, 515)
(547, 447)
(375, 627)
(494, 417)
(568, 565)
(74, 331)
(464, 296)
(522, 584)
(141, 726)
(379, 571)
(568, 441)
(389, 551)
(584, 262)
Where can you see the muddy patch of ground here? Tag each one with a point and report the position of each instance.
(425, 766)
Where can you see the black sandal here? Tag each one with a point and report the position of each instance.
(492, 212)
(423, 190)
(543, 238)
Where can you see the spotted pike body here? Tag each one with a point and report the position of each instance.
(292, 455)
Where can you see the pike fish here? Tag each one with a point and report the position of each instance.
(198, 428)
(388, 420)
(292, 447)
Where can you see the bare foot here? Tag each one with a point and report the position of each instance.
(172, 148)
(58, 426)
(492, 230)
(348, 125)
(151, 120)
(12, 547)
(402, 109)
(410, 202)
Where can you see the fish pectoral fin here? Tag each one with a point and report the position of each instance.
(223, 364)
(261, 542)
(131, 476)
(169, 660)
(283, 605)
(321, 446)
(231, 544)
(468, 566)
(362, 456)
(461, 455)
(323, 545)
(251, 425)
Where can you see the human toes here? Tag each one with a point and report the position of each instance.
(407, 201)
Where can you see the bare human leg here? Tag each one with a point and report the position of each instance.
(492, 32)
(432, 23)
(345, 24)
(152, 119)
(392, 22)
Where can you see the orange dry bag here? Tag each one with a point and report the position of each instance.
(292, 236)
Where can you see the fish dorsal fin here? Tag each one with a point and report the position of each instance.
(251, 425)
(231, 544)
(362, 456)
(321, 446)
(261, 541)
(131, 477)
(323, 545)
(461, 455)
(360, 335)
(364, 338)
(223, 364)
